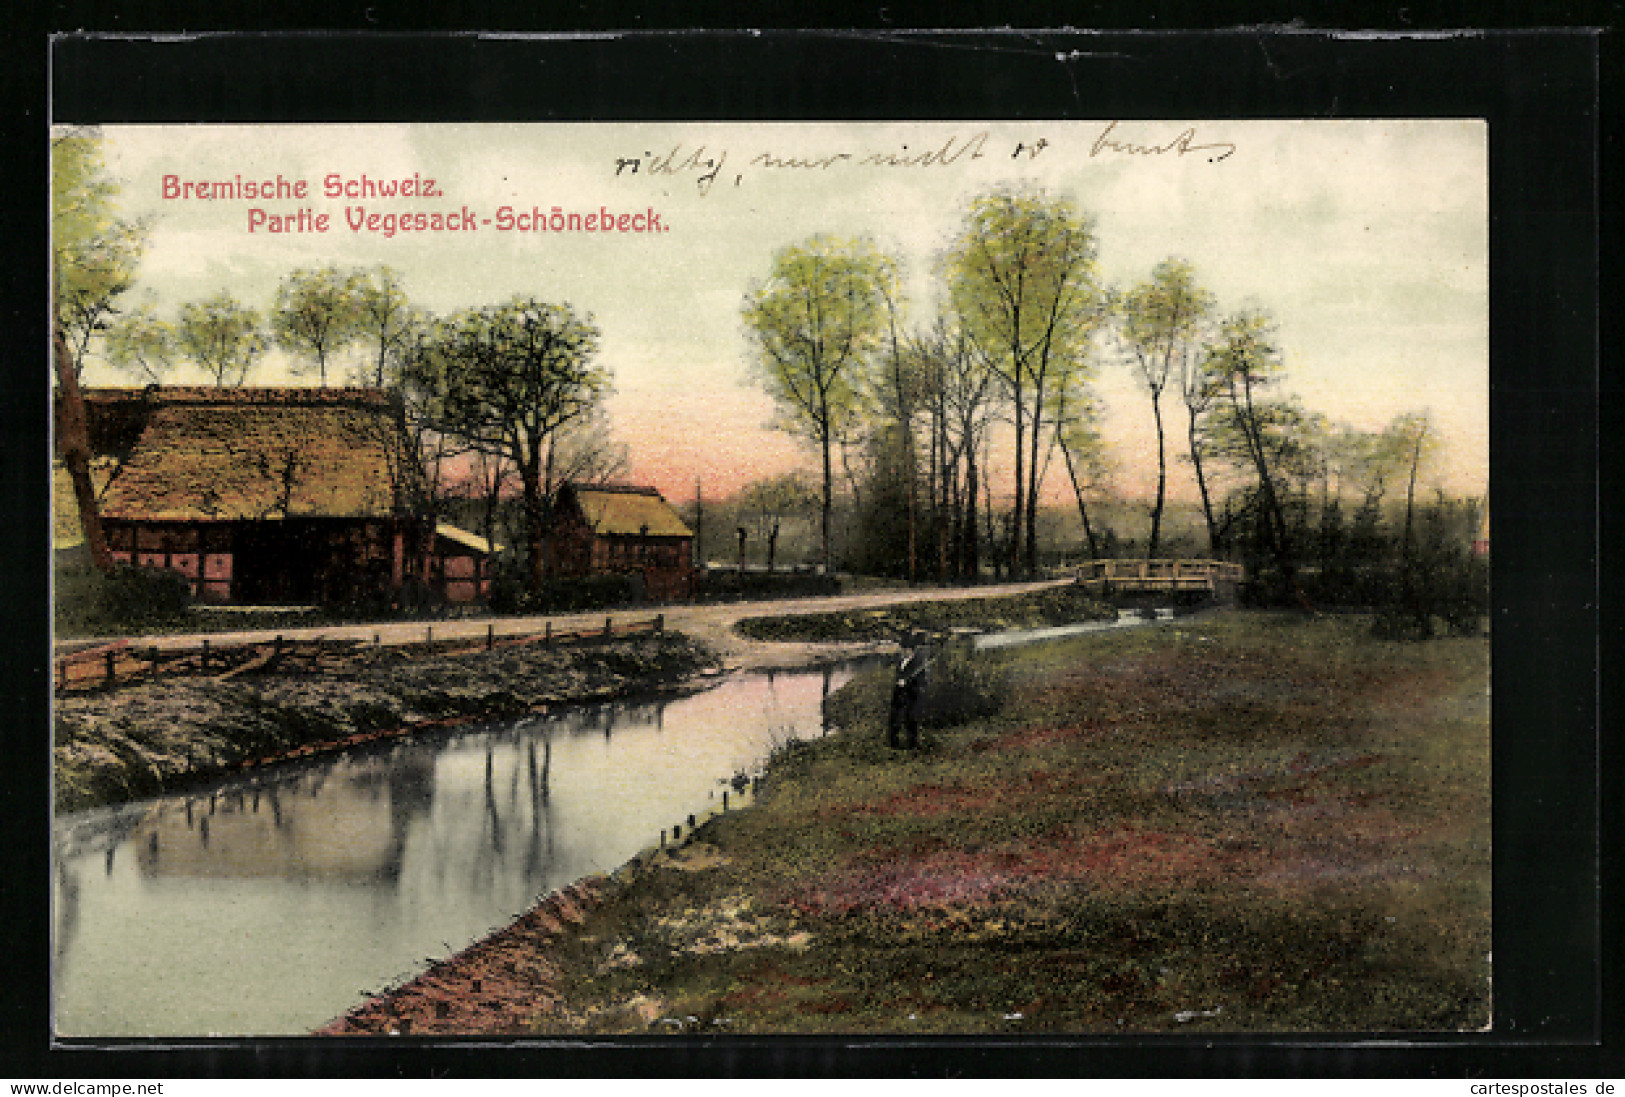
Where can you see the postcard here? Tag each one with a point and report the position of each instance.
(719, 579)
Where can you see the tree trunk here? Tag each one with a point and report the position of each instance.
(535, 523)
(971, 564)
(1162, 480)
(75, 446)
(829, 488)
(1083, 509)
(1031, 517)
(1201, 486)
(1410, 500)
(1013, 553)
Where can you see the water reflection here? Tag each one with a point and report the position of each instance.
(286, 826)
(270, 903)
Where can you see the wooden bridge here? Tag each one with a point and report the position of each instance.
(1182, 578)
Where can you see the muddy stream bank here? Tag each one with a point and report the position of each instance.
(149, 738)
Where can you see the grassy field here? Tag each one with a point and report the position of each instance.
(1240, 822)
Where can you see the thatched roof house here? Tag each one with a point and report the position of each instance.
(261, 494)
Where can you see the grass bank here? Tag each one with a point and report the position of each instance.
(1245, 822)
(1059, 605)
(152, 737)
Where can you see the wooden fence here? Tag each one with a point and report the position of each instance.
(107, 666)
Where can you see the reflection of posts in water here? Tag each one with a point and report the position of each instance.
(539, 851)
(491, 804)
(547, 761)
(67, 927)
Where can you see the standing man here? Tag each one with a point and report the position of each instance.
(903, 730)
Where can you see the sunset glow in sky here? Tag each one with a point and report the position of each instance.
(1367, 241)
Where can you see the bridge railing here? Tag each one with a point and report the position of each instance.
(1160, 575)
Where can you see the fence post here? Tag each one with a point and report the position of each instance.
(490, 637)
(112, 671)
(205, 656)
(61, 674)
(547, 633)
(660, 623)
(428, 638)
(607, 622)
(152, 656)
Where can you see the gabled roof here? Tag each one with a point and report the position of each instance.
(627, 510)
(207, 454)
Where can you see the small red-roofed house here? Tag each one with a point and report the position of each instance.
(622, 529)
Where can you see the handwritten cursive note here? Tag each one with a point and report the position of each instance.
(1183, 144)
(704, 165)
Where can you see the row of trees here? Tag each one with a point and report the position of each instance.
(319, 314)
(909, 414)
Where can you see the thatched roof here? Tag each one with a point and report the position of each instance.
(214, 454)
(627, 510)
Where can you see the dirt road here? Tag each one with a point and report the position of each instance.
(712, 625)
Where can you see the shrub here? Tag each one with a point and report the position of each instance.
(730, 585)
(130, 597)
(962, 686)
(574, 595)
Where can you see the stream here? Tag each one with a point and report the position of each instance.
(270, 903)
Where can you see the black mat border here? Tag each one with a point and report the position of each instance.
(1539, 90)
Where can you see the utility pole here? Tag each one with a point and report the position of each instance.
(699, 523)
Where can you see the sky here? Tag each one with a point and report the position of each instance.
(1366, 241)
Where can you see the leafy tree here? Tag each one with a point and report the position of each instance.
(510, 377)
(881, 515)
(93, 257)
(385, 321)
(141, 344)
(222, 336)
(961, 389)
(1414, 440)
(1024, 280)
(94, 251)
(317, 312)
(900, 390)
(1245, 365)
(815, 324)
(1163, 320)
